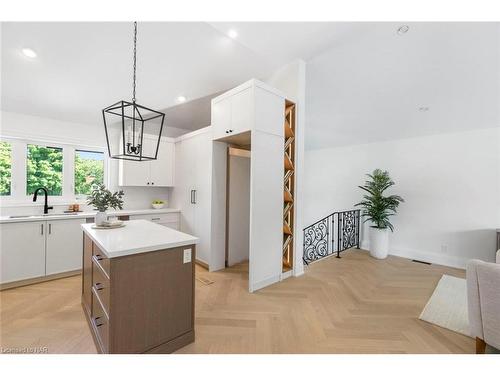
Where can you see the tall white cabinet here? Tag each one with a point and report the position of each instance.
(253, 113)
(192, 191)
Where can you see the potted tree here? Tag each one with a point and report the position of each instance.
(102, 199)
(378, 209)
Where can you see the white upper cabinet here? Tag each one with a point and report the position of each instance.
(159, 172)
(250, 106)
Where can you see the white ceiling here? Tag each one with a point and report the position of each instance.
(370, 87)
(364, 83)
(83, 67)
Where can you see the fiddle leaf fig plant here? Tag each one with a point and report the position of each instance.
(376, 207)
(102, 199)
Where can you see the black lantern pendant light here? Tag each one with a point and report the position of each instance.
(133, 132)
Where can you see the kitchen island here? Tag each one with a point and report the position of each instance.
(138, 287)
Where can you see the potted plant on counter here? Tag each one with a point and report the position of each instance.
(378, 209)
(102, 199)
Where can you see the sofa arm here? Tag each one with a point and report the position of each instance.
(489, 297)
(473, 302)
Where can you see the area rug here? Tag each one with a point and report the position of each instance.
(447, 306)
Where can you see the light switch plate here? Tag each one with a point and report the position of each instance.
(187, 255)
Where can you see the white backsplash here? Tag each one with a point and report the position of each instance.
(135, 198)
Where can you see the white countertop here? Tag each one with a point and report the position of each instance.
(137, 236)
(81, 215)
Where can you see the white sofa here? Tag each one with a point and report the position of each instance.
(483, 299)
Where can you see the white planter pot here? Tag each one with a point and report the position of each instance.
(100, 217)
(379, 242)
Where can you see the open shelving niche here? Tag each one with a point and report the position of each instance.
(288, 186)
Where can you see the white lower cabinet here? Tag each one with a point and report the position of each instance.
(170, 220)
(40, 248)
(63, 246)
(22, 252)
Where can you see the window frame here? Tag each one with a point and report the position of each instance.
(80, 197)
(11, 175)
(19, 155)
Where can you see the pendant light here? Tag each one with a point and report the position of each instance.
(133, 132)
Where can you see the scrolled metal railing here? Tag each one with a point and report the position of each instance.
(335, 233)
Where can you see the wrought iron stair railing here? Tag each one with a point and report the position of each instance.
(331, 235)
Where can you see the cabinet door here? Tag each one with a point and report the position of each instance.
(185, 187)
(242, 112)
(221, 118)
(162, 169)
(22, 250)
(203, 195)
(133, 173)
(64, 245)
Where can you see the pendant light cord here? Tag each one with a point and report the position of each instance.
(135, 59)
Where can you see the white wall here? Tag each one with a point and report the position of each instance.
(238, 209)
(50, 130)
(450, 182)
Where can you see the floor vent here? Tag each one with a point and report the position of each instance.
(420, 261)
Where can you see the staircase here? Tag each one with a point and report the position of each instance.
(331, 235)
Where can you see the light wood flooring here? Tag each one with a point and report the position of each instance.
(353, 305)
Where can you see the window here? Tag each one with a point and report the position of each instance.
(89, 170)
(5, 168)
(44, 167)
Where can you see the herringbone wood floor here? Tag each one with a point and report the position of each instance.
(353, 305)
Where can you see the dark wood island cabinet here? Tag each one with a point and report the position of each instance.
(139, 301)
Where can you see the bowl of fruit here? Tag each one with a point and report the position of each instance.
(157, 204)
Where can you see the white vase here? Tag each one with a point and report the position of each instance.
(379, 242)
(100, 217)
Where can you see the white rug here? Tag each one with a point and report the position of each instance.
(447, 306)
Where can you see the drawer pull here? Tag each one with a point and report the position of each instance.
(96, 323)
(98, 286)
(98, 257)
(155, 218)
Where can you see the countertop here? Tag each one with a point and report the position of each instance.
(82, 215)
(137, 236)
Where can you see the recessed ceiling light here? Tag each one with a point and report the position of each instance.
(181, 99)
(403, 29)
(28, 52)
(233, 34)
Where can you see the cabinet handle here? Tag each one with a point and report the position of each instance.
(148, 183)
(152, 183)
(230, 130)
(195, 193)
(192, 196)
(50, 228)
(227, 131)
(155, 218)
(41, 229)
(98, 257)
(98, 286)
(97, 324)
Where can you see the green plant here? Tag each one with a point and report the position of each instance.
(376, 207)
(158, 201)
(101, 198)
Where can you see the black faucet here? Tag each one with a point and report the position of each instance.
(46, 208)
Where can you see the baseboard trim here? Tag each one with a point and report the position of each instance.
(201, 263)
(36, 280)
(262, 284)
(424, 256)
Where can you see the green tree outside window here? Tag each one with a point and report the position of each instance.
(89, 171)
(5, 168)
(44, 167)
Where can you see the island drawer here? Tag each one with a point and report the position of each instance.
(158, 218)
(100, 259)
(100, 323)
(100, 286)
